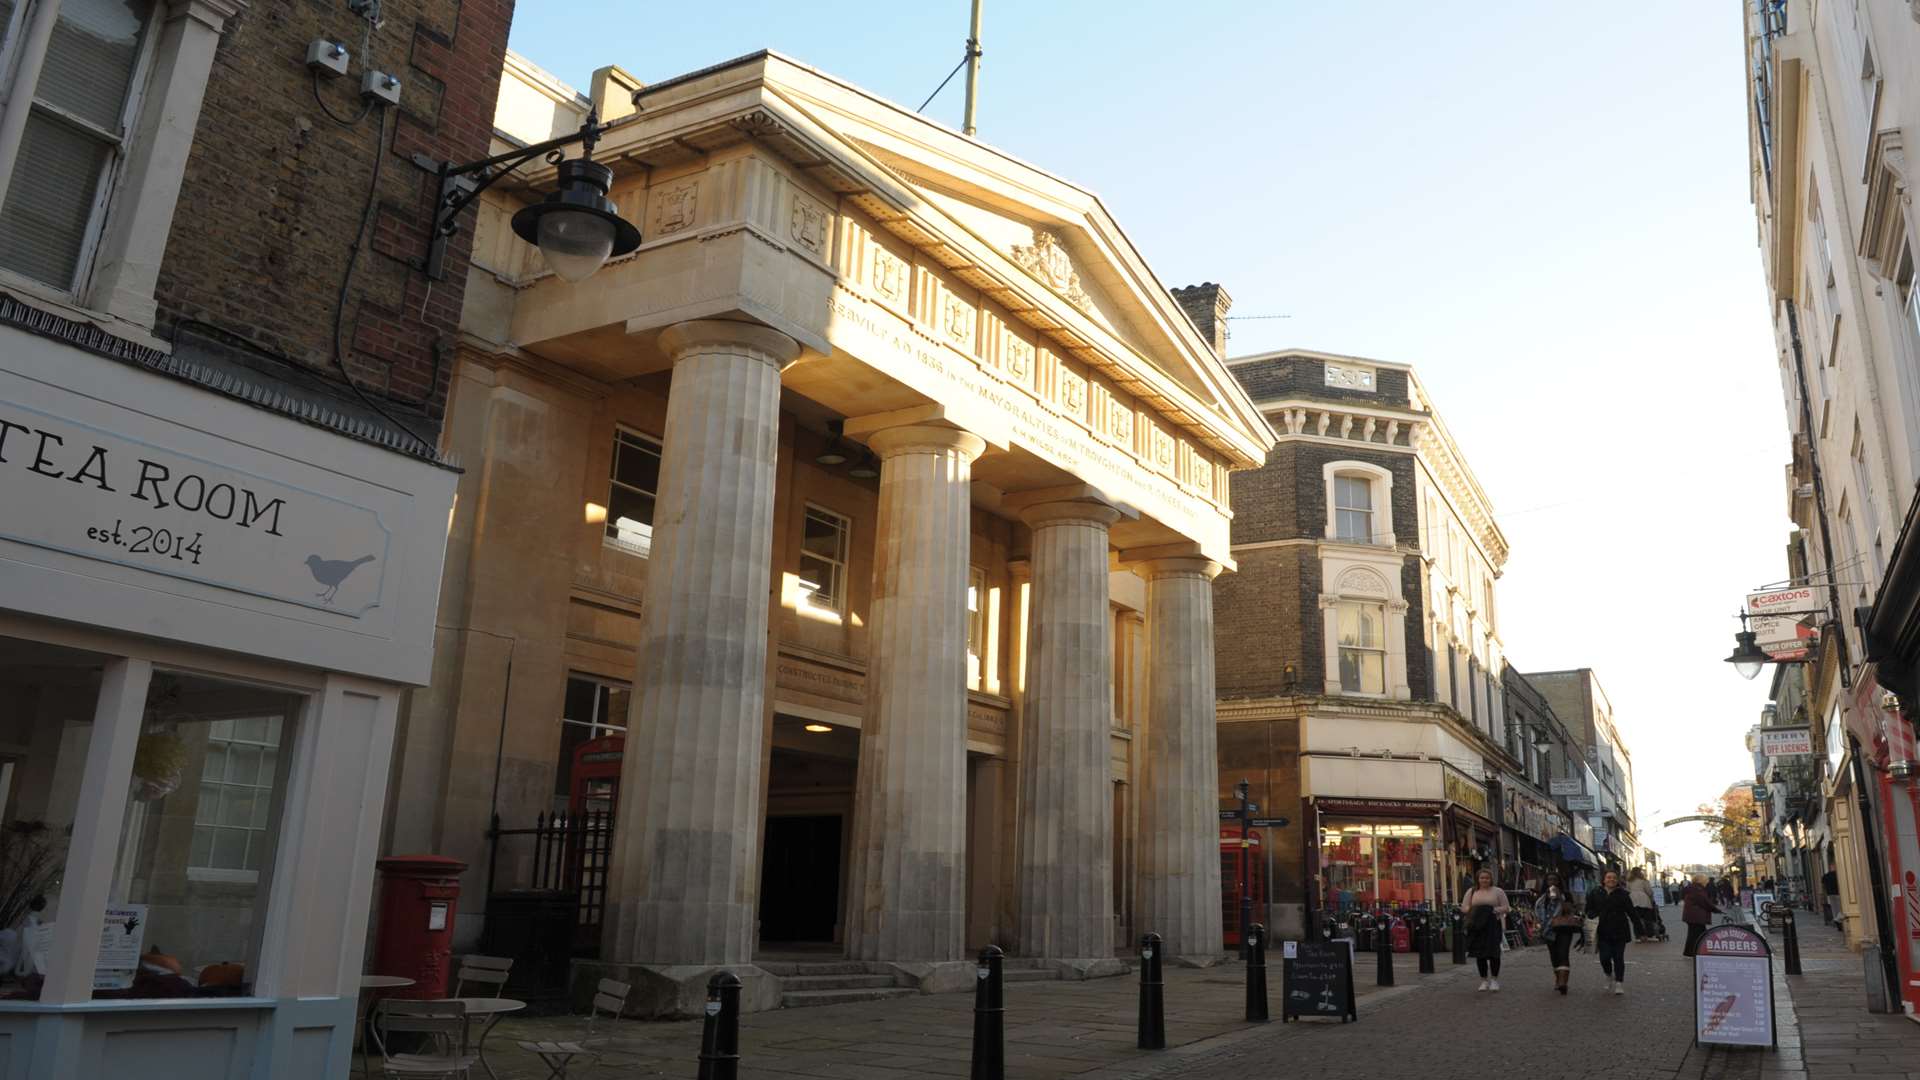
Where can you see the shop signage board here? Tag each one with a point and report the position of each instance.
(1581, 802)
(95, 493)
(1786, 742)
(1733, 989)
(1762, 792)
(1564, 785)
(120, 936)
(1466, 793)
(1779, 622)
(1317, 980)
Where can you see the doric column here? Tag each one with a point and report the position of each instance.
(907, 880)
(1066, 827)
(1178, 893)
(685, 848)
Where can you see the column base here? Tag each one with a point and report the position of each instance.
(930, 976)
(1104, 967)
(1202, 960)
(672, 991)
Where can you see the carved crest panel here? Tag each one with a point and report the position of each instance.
(1018, 358)
(808, 224)
(1120, 422)
(957, 320)
(1047, 259)
(1160, 450)
(1071, 391)
(676, 208)
(889, 275)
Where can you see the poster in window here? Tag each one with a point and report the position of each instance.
(121, 933)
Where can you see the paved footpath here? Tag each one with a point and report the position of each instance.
(1432, 1027)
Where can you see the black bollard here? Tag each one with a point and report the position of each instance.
(1257, 978)
(989, 1018)
(720, 1037)
(1426, 944)
(1153, 1007)
(1383, 950)
(1459, 939)
(1793, 944)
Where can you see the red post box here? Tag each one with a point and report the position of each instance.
(419, 897)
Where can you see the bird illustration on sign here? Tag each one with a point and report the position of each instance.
(332, 573)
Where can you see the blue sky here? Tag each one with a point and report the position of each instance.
(1543, 207)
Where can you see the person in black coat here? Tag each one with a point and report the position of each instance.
(1611, 905)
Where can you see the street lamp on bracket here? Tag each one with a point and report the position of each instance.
(576, 226)
(1748, 657)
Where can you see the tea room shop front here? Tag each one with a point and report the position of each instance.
(210, 602)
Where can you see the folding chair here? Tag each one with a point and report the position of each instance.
(488, 971)
(610, 997)
(442, 1022)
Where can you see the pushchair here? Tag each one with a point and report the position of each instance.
(1651, 925)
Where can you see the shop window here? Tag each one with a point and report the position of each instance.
(46, 729)
(78, 124)
(976, 627)
(823, 560)
(631, 492)
(594, 709)
(195, 862)
(1363, 649)
(236, 792)
(1366, 864)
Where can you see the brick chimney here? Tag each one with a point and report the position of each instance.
(1206, 304)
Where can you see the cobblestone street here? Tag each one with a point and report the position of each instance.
(1086, 1030)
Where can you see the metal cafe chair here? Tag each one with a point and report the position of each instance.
(610, 997)
(442, 1023)
(488, 971)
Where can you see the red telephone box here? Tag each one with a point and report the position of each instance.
(1240, 866)
(419, 901)
(595, 778)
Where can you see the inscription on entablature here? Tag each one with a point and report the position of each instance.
(817, 679)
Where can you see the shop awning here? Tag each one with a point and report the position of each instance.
(1574, 851)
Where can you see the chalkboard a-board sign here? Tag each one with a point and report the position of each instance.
(1317, 980)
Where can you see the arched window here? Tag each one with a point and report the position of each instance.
(1359, 503)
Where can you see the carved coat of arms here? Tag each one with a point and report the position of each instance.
(1047, 259)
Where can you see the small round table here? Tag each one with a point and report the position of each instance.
(489, 1009)
(374, 983)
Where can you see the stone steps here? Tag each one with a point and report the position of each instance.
(835, 982)
(801, 999)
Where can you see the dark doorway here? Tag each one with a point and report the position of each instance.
(800, 879)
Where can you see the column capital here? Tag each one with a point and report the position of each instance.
(1179, 566)
(925, 439)
(1043, 515)
(725, 335)
(1020, 569)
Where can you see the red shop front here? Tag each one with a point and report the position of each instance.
(1373, 853)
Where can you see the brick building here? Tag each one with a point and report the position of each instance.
(222, 377)
(1359, 653)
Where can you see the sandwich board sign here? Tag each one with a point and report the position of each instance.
(1317, 981)
(1733, 989)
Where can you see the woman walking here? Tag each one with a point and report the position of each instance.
(1611, 905)
(1486, 907)
(1644, 919)
(1697, 910)
(1561, 918)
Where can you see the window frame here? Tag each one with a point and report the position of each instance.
(230, 875)
(117, 270)
(107, 183)
(607, 534)
(1380, 607)
(844, 530)
(977, 629)
(1380, 481)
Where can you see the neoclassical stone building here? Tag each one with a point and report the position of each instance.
(871, 508)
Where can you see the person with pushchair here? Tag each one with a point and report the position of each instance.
(1646, 917)
(1697, 910)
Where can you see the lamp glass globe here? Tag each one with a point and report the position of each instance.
(575, 243)
(1747, 669)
